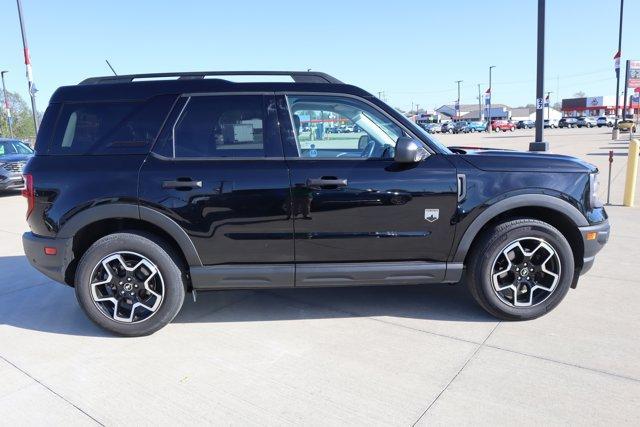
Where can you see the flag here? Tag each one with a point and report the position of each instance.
(616, 63)
(546, 101)
(487, 97)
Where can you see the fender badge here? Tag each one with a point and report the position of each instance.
(431, 215)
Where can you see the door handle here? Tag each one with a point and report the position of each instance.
(182, 183)
(326, 182)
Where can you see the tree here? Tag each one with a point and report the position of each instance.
(579, 94)
(557, 106)
(22, 119)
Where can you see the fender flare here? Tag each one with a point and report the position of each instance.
(519, 201)
(131, 211)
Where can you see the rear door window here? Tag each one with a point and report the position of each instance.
(109, 127)
(221, 126)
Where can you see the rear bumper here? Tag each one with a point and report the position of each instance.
(52, 266)
(592, 247)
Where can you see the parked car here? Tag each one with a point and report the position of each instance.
(626, 126)
(433, 127)
(503, 125)
(550, 123)
(567, 122)
(133, 201)
(525, 124)
(14, 155)
(460, 127)
(447, 127)
(605, 121)
(476, 126)
(586, 121)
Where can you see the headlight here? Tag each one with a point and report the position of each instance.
(594, 185)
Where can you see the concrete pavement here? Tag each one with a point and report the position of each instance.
(364, 356)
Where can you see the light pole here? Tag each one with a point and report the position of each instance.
(6, 104)
(490, 96)
(458, 103)
(479, 104)
(27, 63)
(539, 144)
(626, 88)
(617, 66)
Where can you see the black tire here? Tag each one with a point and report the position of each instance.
(158, 252)
(491, 245)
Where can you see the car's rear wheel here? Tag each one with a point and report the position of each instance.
(130, 283)
(520, 269)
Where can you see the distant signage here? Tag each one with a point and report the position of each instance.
(595, 101)
(633, 80)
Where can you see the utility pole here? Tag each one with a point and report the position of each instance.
(458, 104)
(490, 96)
(6, 104)
(539, 144)
(617, 58)
(27, 63)
(479, 104)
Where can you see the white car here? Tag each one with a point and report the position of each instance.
(586, 121)
(605, 121)
(551, 123)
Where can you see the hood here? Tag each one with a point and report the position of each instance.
(491, 159)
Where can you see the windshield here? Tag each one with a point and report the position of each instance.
(13, 147)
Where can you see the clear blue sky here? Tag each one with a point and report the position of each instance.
(411, 50)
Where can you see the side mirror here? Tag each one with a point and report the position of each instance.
(408, 150)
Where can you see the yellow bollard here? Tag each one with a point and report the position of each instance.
(632, 172)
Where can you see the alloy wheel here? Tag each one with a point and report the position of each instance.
(526, 272)
(127, 287)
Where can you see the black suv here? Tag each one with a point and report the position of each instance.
(142, 190)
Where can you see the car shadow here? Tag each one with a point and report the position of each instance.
(10, 193)
(42, 305)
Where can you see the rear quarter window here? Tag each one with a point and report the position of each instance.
(109, 128)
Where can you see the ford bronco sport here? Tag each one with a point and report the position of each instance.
(146, 187)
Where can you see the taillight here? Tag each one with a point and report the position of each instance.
(27, 192)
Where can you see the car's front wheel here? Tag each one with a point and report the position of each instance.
(520, 269)
(130, 283)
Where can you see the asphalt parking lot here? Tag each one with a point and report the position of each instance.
(365, 356)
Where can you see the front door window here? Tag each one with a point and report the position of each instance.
(332, 127)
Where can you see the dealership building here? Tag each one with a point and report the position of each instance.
(590, 106)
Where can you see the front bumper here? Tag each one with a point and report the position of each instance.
(14, 182)
(52, 266)
(593, 246)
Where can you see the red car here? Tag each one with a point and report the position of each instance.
(503, 125)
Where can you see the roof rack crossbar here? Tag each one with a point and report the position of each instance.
(297, 76)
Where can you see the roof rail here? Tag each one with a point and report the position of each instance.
(297, 76)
